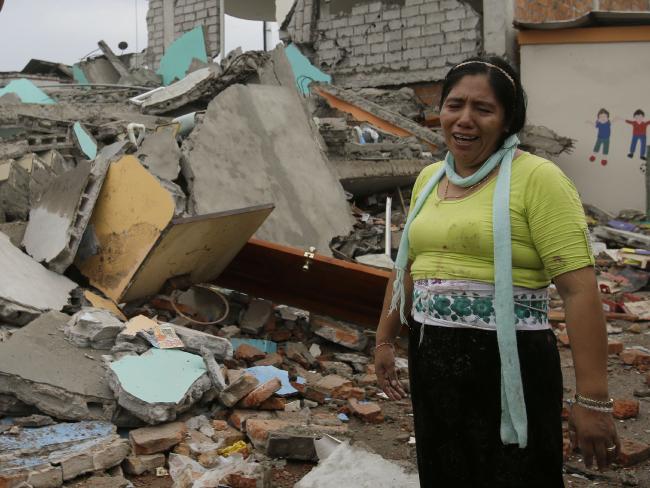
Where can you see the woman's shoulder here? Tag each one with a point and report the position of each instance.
(528, 165)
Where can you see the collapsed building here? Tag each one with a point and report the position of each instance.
(194, 253)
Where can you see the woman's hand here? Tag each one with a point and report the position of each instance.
(595, 435)
(387, 374)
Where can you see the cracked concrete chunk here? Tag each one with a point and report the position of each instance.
(39, 367)
(58, 221)
(93, 327)
(27, 289)
(47, 456)
(160, 384)
(256, 146)
(160, 153)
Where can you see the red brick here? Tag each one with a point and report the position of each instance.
(238, 418)
(563, 338)
(273, 359)
(367, 411)
(367, 380)
(566, 444)
(220, 425)
(626, 409)
(246, 352)
(614, 347)
(260, 394)
(634, 357)
(333, 385)
(228, 436)
(280, 335)
(342, 333)
(258, 430)
(238, 480)
(315, 394)
(152, 440)
(273, 403)
(238, 390)
(633, 452)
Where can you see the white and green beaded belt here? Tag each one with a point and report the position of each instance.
(463, 303)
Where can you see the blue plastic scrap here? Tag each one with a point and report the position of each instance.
(343, 418)
(267, 373)
(79, 75)
(27, 91)
(179, 55)
(86, 141)
(303, 70)
(267, 347)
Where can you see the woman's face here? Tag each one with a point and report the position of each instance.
(473, 120)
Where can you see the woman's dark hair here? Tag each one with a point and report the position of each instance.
(603, 111)
(639, 112)
(509, 93)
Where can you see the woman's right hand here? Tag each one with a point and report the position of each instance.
(387, 374)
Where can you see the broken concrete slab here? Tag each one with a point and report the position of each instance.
(48, 456)
(93, 328)
(27, 289)
(58, 221)
(41, 368)
(195, 341)
(160, 384)
(256, 145)
(256, 316)
(146, 463)
(367, 177)
(364, 110)
(160, 153)
(14, 191)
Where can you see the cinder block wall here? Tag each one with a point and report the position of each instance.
(187, 14)
(552, 10)
(386, 42)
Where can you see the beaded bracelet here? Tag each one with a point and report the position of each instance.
(597, 405)
(390, 344)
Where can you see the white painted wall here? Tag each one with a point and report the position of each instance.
(567, 84)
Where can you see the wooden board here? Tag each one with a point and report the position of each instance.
(340, 289)
(199, 247)
(131, 212)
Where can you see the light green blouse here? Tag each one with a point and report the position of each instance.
(452, 239)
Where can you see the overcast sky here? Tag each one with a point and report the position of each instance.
(67, 30)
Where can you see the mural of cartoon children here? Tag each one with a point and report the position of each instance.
(639, 126)
(604, 127)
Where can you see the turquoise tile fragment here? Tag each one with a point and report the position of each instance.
(86, 141)
(303, 70)
(159, 375)
(180, 53)
(27, 91)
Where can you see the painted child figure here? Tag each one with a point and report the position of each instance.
(639, 126)
(604, 127)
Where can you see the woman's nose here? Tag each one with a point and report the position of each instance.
(465, 116)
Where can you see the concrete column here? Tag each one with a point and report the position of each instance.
(168, 22)
(499, 35)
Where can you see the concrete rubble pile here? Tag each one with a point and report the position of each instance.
(123, 199)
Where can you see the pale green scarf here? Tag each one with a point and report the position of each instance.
(514, 423)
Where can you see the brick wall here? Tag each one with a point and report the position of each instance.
(552, 10)
(187, 14)
(386, 42)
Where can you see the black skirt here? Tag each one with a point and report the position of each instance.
(455, 389)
